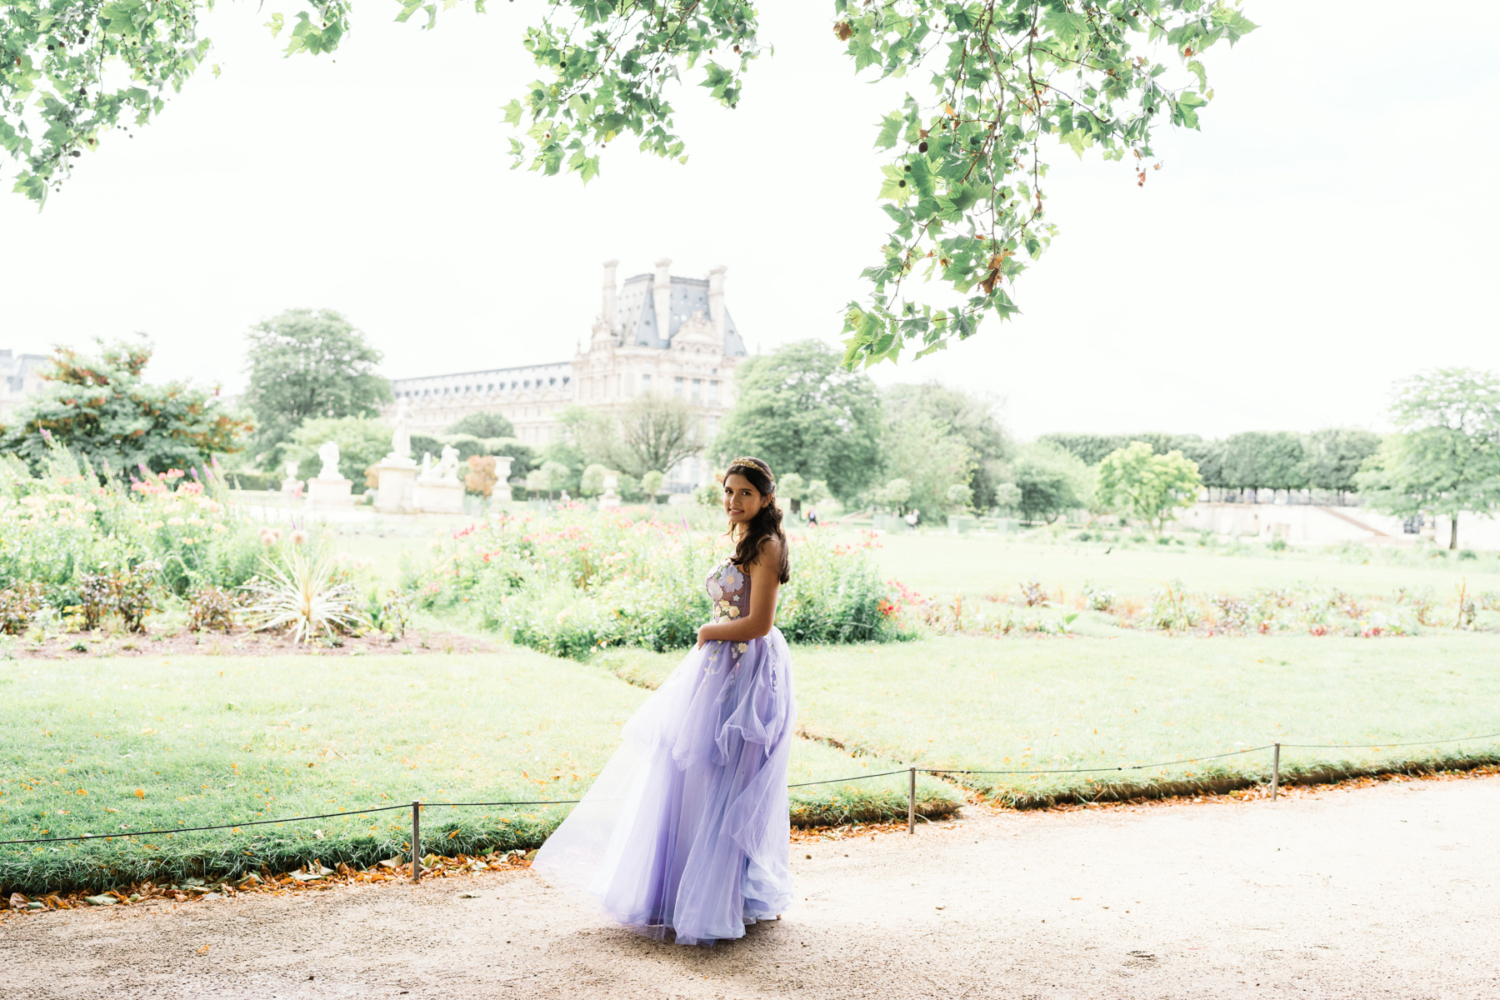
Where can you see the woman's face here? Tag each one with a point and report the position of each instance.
(742, 501)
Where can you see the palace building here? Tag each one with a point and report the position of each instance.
(656, 332)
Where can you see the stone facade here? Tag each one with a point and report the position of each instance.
(656, 332)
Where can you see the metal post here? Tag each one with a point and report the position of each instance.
(1275, 770)
(416, 841)
(911, 802)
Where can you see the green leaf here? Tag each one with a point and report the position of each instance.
(890, 129)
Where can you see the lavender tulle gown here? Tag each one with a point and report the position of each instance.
(686, 828)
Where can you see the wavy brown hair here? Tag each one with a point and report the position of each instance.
(766, 524)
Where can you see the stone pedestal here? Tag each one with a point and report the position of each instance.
(291, 487)
(611, 495)
(396, 488)
(438, 497)
(329, 494)
(501, 490)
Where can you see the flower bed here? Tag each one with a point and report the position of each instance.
(57, 529)
(572, 581)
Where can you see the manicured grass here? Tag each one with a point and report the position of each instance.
(940, 565)
(1037, 704)
(208, 740)
(1141, 698)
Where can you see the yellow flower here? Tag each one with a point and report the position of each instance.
(741, 647)
(734, 612)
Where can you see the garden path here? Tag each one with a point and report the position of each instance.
(1374, 892)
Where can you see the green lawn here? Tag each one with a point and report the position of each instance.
(1062, 703)
(209, 740)
(940, 565)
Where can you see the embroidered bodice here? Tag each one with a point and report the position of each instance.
(729, 591)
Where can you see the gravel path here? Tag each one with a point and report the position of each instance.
(1364, 893)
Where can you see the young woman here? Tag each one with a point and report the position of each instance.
(686, 828)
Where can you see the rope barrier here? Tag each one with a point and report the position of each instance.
(195, 829)
(912, 772)
(835, 781)
(1096, 770)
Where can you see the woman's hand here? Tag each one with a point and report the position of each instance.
(701, 637)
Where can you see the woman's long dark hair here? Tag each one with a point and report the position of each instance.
(766, 524)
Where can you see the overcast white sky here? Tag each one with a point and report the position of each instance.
(1330, 228)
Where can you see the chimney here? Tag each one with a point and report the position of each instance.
(609, 294)
(661, 293)
(716, 299)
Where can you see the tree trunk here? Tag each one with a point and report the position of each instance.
(1453, 532)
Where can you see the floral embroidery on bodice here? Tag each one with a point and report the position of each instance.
(729, 590)
(729, 595)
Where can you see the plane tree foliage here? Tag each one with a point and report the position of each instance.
(997, 86)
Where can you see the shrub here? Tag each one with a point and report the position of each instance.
(212, 609)
(1098, 598)
(306, 595)
(390, 614)
(135, 594)
(19, 604)
(96, 598)
(572, 581)
(65, 525)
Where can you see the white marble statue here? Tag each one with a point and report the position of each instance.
(446, 470)
(329, 453)
(401, 438)
(426, 474)
(291, 470)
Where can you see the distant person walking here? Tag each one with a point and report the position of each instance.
(913, 517)
(686, 829)
(812, 517)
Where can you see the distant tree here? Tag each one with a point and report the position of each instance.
(484, 425)
(1008, 497)
(1051, 482)
(1446, 458)
(894, 493)
(971, 418)
(1150, 486)
(961, 495)
(1090, 448)
(651, 484)
(1264, 460)
(917, 448)
(591, 483)
(563, 455)
(362, 441)
(799, 411)
(656, 432)
(1332, 457)
(595, 434)
(550, 478)
(304, 364)
(100, 406)
(817, 492)
(791, 486)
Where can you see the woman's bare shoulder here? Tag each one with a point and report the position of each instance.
(769, 555)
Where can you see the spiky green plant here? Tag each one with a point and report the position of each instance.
(306, 595)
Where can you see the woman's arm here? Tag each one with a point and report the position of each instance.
(764, 583)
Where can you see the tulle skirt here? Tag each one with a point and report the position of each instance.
(686, 828)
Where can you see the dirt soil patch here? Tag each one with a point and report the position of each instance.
(243, 642)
